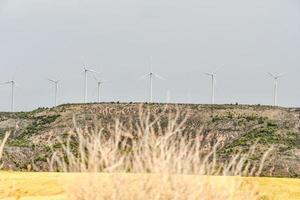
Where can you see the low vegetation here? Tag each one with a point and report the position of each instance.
(39, 123)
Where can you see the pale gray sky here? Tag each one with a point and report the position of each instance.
(43, 39)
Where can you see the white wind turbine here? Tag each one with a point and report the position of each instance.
(13, 84)
(276, 78)
(86, 71)
(151, 75)
(55, 82)
(213, 76)
(99, 84)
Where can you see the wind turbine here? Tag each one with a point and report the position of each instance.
(213, 76)
(99, 84)
(13, 84)
(86, 71)
(276, 78)
(151, 75)
(55, 82)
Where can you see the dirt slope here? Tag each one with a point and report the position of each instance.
(237, 127)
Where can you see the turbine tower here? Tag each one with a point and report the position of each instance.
(213, 82)
(86, 71)
(55, 82)
(13, 84)
(99, 83)
(151, 75)
(276, 78)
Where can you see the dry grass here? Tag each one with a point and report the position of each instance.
(147, 147)
(2, 143)
(46, 186)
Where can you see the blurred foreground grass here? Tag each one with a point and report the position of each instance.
(51, 186)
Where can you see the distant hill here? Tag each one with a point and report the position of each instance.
(238, 127)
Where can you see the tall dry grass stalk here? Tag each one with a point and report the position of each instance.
(2, 143)
(149, 159)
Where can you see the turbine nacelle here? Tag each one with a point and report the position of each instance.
(99, 81)
(54, 81)
(211, 74)
(90, 70)
(276, 77)
(150, 75)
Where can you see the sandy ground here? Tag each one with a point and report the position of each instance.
(51, 186)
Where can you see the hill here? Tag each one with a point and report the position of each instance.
(236, 127)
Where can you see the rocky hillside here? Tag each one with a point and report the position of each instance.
(237, 127)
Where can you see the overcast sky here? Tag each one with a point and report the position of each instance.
(43, 39)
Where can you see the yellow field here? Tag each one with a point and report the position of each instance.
(50, 186)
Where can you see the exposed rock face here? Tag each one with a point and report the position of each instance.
(236, 127)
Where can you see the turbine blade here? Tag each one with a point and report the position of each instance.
(272, 75)
(51, 80)
(159, 77)
(4, 83)
(208, 74)
(17, 85)
(104, 81)
(144, 77)
(15, 73)
(54, 81)
(280, 75)
(91, 70)
(151, 64)
(95, 78)
(216, 70)
(83, 61)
